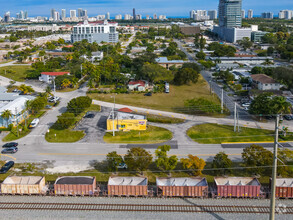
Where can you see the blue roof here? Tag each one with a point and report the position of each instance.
(165, 60)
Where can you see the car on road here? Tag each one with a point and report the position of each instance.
(11, 150)
(34, 123)
(6, 167)
(10, 144)
(54, 99)
(246, 105)
(148, 94)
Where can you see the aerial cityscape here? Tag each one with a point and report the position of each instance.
(156, 110)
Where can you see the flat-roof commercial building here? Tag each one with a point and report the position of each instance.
(126, 121)
(98, 32)
(242, 60)
(164, 62)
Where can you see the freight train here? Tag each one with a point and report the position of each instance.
(196, 187)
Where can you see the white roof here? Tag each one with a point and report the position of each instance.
(130, 181)
(18, 104)
(23, 180)
(181, 181)
(284, 182)
(237, 181)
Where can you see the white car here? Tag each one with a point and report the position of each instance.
(34, 123)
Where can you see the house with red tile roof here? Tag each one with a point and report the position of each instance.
(48, 77)
(138, 85)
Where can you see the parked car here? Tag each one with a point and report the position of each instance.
(11, 150)
(6, 167)
(246, 105)
(148, 94)
(122, 166)
(288, 117)
(89, 115)
(48, 106)
(34, 123)
(54, 99)
(10, 144)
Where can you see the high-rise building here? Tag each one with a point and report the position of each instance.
(281, 14)
(250, 13)
(21, 15)
(6, 17)
(200, 15)
(134, 15)
(243, 13)
(95, 32)
(147, 17)
(268, 15)
(63, 14)
(118, 17)
(84, 13)
(213, 14)
(230, 13)
(53, 13)
(286, 14)
(56, 16)
(155, 17)
(79, 12)
(73, 13)
(127, 17)
(192, 13)
(138, 17)
(108, 16)
(25, 15)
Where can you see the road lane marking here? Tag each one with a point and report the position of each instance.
(72, 154)
(5, 155)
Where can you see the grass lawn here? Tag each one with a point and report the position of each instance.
(163, 119)
(68, 135)
(172, 102)
(13, 134)
(20, 72)
(216, 134)
(150, 136)
(64, 136)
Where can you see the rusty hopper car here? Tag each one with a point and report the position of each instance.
(182, 187)
(284, 188)
(75, 185)
(24, 185)
(128, 186)
(239, 187)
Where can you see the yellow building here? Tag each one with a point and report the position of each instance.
(126, 121)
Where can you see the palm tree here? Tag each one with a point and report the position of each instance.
(48, 90)
(28, 106)
(6, 114)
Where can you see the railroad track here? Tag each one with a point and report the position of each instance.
(141, 208)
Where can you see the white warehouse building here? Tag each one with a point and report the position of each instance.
(95, 32)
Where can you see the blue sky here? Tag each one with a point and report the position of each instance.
(167, 7)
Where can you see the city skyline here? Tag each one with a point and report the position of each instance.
(167, 7)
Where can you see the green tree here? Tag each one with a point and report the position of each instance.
(156, 73)
(26, 89)
(113, 160)
(38, 104)
(201, 55)
(245, 43)
(6, 114)
(202, 43)
(79, 104)
(280, 105)
(259, 158)
(261, 104)
(194, 164)
(65, 120)
(164, 162)
(138, 159)
(185, 76)
(222, 162)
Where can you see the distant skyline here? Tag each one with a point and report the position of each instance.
(167, 7)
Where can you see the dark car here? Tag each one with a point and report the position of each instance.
(11, 144)
(89, 115)
(7, 167)
(11, 150)
(288, 117)
(148, 94)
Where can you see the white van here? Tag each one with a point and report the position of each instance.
(34, 123)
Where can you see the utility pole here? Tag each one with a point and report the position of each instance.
(16, 119)
(114, 118)
(235, 116)
(222, 101)
(238, 122)
(274, 174)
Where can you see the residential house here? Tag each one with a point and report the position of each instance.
(164, 62)
(264, 82)
(48, 77)
(138, 85)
